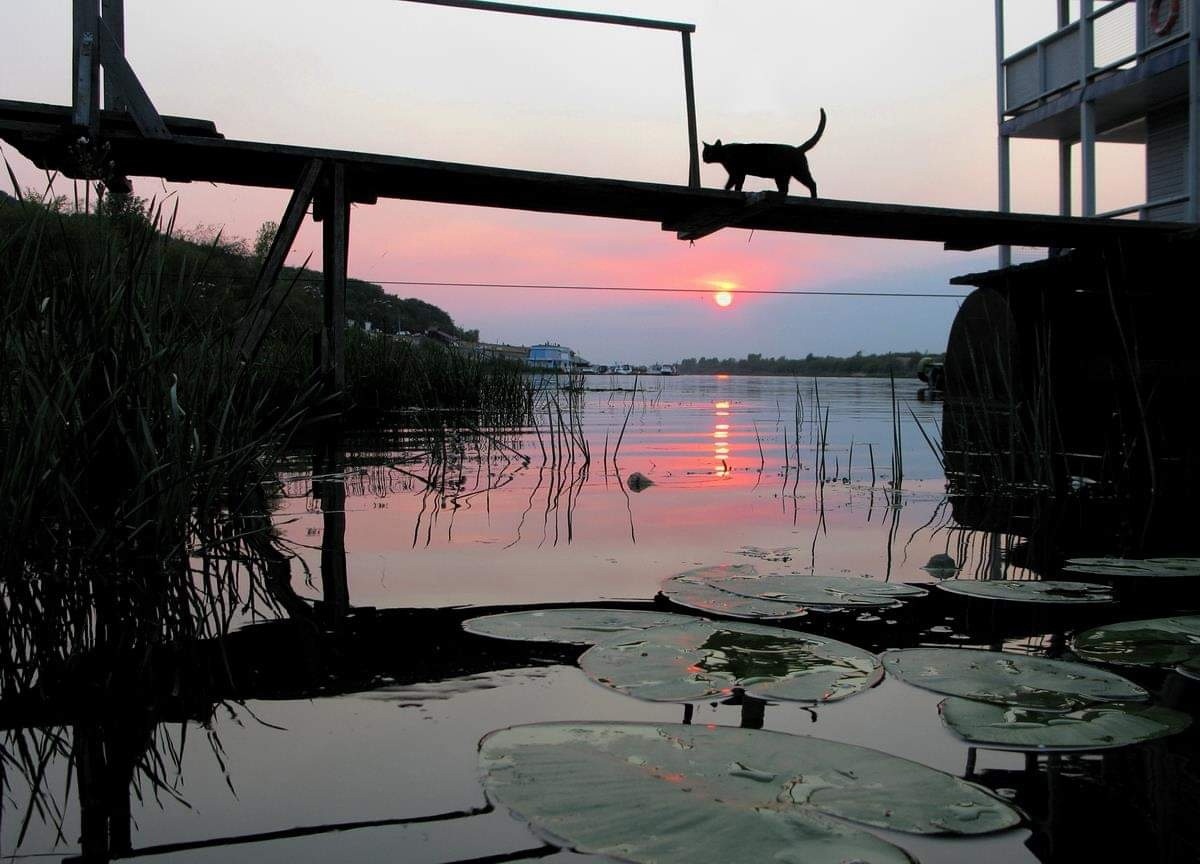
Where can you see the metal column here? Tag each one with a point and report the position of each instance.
(1003, 157)
(1087, 112)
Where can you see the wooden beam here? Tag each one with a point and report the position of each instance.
(250, 163)
(85, 56)
(112, 12)
(335, 237)
(145, 115)
(269, 298)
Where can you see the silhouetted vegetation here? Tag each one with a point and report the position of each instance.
(136, 443)
(902, 364)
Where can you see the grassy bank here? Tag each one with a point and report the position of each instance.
(136, 447)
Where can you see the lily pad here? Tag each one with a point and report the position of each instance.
(1149, 642)
(1010, 679)
(695, 589)
(673, 793)
(702, 659)
(826, 591)
(1029, 590)
(1145, 568)
(568, 626)
(1096, 727)
(1190, 668)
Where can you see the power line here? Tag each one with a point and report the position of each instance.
(735, 291)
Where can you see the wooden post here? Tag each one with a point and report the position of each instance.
(85, 64)
(335, 212)
(690, 93)
(335, 585)
(113, 13)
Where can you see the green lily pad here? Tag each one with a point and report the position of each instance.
(823, 591)
(1009, 679)
(1096, 727)
(568, 626)
(1029, 590)
(1149, 642)
(703, 659)
(671, 793)
(1146, 568)
(1190, 668)
(695, 589)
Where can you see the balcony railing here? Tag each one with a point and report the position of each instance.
(1120, 37)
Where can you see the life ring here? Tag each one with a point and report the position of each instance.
(1163, 15)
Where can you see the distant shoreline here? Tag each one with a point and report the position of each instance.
(901, 364)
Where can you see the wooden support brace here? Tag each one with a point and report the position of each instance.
(269, 298)
(147, 118)
(336, 225)
(709, 221)
(112, 12)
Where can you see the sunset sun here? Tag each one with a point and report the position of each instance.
(722, 291)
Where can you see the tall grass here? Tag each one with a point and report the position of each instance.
(132, 443)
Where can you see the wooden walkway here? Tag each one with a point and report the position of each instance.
(195, 151)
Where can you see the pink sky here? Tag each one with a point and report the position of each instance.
(908, 86)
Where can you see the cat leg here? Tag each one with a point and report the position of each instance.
(738, 181)
(805, 177)
(783, 181)
(729, 184)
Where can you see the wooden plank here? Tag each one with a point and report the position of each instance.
(335, 237)
(145, 115)
(269, 297)
(109, 120)
(564, 14)
(248, 163)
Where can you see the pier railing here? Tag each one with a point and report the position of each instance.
(1117, 35)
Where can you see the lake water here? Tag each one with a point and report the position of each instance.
(332, 768)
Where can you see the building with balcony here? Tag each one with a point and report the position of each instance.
(1124, 71)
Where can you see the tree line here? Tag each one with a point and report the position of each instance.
(899, 363)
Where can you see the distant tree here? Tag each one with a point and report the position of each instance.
(124, 211)
(264, 238)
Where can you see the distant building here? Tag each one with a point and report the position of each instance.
(555, 358)
(499, 350)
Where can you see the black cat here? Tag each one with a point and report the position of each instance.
(780, 161)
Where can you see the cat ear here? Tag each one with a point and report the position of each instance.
(718, 144)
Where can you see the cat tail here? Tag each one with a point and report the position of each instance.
(812, 142)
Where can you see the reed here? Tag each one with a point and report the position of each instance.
(133, 441)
